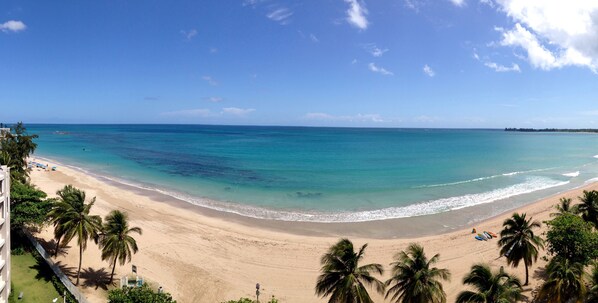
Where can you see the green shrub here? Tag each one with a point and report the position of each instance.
(143, 294)
(247, 300)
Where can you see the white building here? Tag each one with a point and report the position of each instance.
(4, 233)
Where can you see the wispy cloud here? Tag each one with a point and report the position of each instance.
(281, 15)
(150, 98)
(380, 70)
(196, 112)
(458, 3)
(210, 80)
(354, 118)
(314, 38)
(189, 34)
(356, 14)
(429, 71)
(426, 119)
(501, 68)
(213, 50)
(13, 26)
(235, 111)
(214, 99)
(375, 50)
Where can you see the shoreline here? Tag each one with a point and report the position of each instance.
(407, 227)
(204, 256)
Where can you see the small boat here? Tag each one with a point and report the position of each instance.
(488, 235)
(479, 238)
(492, 234)
(483, 237)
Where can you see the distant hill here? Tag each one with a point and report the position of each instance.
(553, 130)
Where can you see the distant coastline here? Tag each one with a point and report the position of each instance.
(552, 130)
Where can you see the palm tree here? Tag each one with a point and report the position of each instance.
(588, 208)
(414, 278)
(117, 242)
(518, 242)
(565, 282)
(499, 287)
(564, 207)
(593, 291)
(343, 279)
(69, 198)
(76, 221)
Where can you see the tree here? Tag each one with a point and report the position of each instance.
(74, 220)
(518, 241)
(593, 291)
(69, 199)
(570, 237)
(588, 208)
(28, 206)
(15, 148)
(343, 279)
(414, 280)
(117, 242)
(143, 294)
(565, 282)
(490, 287)
(564, 207)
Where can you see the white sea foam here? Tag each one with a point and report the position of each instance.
(484, 178)
(572, 175)
(596, 156)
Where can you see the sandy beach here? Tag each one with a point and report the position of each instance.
(200, 255)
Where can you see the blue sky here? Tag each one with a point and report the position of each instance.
(400, 63)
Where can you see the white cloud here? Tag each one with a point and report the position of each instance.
(189, 34)
(501, 68)
(458, 2)
(356, 14)
(196, 112)
(380, 70)
(426, 119)
(413, 4)
(314, 38)
(281, 15)
(235, 111)
(554, 33)
(429, 71)
(214, 99)
(375, 50)
(13, 26)
(210, 80)
(355, 118)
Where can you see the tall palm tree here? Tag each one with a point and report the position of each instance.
(69, 197)
(593, 291)
(117, 242)
(564, 207)
(343, 279)
(518, 241)
(498, 287)
(588, 208)
(76, 221)
(565, 282)
(414, 280)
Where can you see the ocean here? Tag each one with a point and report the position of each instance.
(328, 174)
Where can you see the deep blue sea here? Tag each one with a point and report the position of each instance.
(327, 174)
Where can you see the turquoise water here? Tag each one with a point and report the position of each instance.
(327, 174)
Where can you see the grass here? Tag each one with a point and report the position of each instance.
(33, 278)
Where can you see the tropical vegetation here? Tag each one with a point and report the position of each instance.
(414, 279)
(343, 278)
(588, 208)
(565, 282)
(117, 243)
(143, 294)
(519, 243)
(570, 237)
(490, 287)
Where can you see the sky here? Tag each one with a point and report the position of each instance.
(356, 63)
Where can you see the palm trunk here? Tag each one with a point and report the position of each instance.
(57, 247)
(113, 268)
(80, 259)
(526, 275)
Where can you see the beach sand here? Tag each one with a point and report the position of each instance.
(200, 255)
